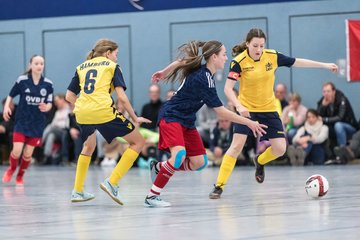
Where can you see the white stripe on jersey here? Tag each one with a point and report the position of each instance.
(22, 77)
(210, 80)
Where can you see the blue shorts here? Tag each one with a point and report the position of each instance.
(118, 127)
(271, 119)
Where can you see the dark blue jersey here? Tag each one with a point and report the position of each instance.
(29, 120)
(195, 91)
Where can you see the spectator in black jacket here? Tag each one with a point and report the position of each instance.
(151, 109)
(220, 140)
(337, 113)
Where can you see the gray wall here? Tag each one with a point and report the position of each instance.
(309, 29)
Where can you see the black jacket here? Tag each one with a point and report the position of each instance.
(339, 111)
(151, 112)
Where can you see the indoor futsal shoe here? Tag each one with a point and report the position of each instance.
(81, 196)
(260, 171)
(153, 169)
(112, 191)
(19, 181)
(155, 201)
(216, 192)
(7, 175)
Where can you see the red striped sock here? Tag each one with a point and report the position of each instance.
(185, 166)
(25, 163)
(165, 173)
(13, 162)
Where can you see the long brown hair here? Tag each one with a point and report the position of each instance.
(28, 71)
(189, 53)
(101, 47)
(254, 32)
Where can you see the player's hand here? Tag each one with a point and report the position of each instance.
(332, 67)
(7, 113)
(158, 76)
(243, 111)
(257, 128)
(44, 107)
(142, 120)
(2, 129)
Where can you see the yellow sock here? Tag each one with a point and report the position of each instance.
(125, 163)
(81, 170)
(227, 165)
(266, 156)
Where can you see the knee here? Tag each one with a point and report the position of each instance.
(179, 158)
(88, 148)
(338, 127)
(205, 163)
(278, 150)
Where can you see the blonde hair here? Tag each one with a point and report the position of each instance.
(101, 47)
(295, 97)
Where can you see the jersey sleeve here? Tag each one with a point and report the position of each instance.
(208, 94)
(75, 84)
(15, 90)
(283, 60)
(50, 95)
(235, 70)
(118, 79)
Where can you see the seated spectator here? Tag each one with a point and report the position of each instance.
(220, 141)
(57, 130)
(205, 124)
(152, 108)
(293, 115)
(345, 154)
(337, 113)
(309, 140)
(281, 94)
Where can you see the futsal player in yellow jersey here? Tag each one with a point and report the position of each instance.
(90, 90)
(254, 67)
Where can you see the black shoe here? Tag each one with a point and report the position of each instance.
(216, 192)
(260, 171)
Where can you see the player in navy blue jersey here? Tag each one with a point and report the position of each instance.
(177, 116)
(36, 97)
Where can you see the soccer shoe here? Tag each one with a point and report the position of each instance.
(153, 170)
(81, 196)
(216, 192)
(155, 201)
(19, 180)
(260, 171)
(113, 191)
(7, 175)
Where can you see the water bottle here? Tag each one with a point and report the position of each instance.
(290, 124)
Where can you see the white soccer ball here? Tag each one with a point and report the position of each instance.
(316, 186)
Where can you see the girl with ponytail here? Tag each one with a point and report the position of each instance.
(177, 116)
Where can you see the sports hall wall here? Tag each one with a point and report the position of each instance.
(307, 29)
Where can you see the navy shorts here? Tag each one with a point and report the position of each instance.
(118, 127)
(271, 119)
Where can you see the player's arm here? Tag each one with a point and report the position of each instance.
(7, 110)
(257, 128)
(73, 89)
(306, 63)
(234, 74)
(123, 99)
(160, 75)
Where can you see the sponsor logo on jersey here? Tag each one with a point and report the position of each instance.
(32, 100)
(247, 69)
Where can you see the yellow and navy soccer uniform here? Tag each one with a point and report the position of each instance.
(94, 82)
(256, 88)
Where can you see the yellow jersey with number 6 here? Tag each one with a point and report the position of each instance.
(94, 82)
